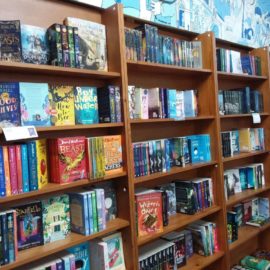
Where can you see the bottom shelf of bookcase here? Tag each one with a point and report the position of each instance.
(73, 239)
(178, 221)
(197, 262)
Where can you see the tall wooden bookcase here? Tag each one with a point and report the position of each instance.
(123, 73)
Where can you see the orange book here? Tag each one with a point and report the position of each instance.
(19, 168)
(7, 173)
(149, 212)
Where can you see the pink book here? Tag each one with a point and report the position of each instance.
(19, 168)
(72, 262)
(13, 169)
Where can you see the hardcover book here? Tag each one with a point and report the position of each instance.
(56, 218)
(35, 48)
(62, 105)
(35, 105)
(81, 253)
(86, 105)
(9, 105)
(10, 41)
(29, 225)
(92, 41)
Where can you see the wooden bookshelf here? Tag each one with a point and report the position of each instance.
(241, 115)
(240, 77)
(245, 155)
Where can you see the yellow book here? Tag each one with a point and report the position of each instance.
(100, 157)
(42, 164)
(62, 105)
(244, 140)
(7, 173)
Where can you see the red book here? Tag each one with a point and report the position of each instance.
(149, 212)
(69, 161)
(13, 169)
(19, 168)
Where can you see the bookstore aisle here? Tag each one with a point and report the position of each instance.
(127, 144)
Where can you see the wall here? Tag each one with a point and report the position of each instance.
(243, 21)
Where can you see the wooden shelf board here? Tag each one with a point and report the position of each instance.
(178, 221)
(55, 70)
(165, 69)
(165, 120)
(241, 115)
(73, 239)
(245, 155)
(197, 262)
(245, 233)
(244, 195)
(239, 76)
(53, 188)
(173, 171)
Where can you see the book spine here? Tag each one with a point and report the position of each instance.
(65, 48)
(11, 239)
(2, 174)
(5, 237)
(112, 103)
(71, 46)
(118, 104)
(13, 171)
(76, 47)
(90, 214)
(19, 168)
(100, 209)
(55, 41)
(25, 172)
(32, 160)
(7, 171)
(72, 262)
(94, 207)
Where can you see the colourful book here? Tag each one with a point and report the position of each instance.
(62, 105)
(117, 96)
(35, 105)
(2, 174)
(25, 170)
(7, 171)
(81, 253)
(29, 225)
(56, 218)
(86, 105)
(34, 44)
(9, 105)
(12, 235)
(19, 168)
(71, 46)
(13, 171)
(101, 215)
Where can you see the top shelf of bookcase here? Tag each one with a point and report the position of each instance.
(56, 71)
(165, 69)
(239, 76)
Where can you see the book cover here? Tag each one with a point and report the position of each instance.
(190, 103)
(92, 42)
(34, 104)
(149, 212)
(61, 100)
(154, 106)
(2, 174)
(131, 101)
(25, 168)
(70, 158)
(10, 41)
(115, 251)
(170, 190)
(180, 109)
(247, 205)
(29, 225)
(236, 66)
(113, 154)
(7, 171)
(56, 218)
(244, 140)
(35, 48)
(86, 105)
(81, 253)
(117, 97)
(9, 105)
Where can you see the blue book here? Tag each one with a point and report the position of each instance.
(101, 214)
(3, 220)
(190, 103)
(246, 64)
(90, 212)
(25, 170)
(81, 253)
(35, 105)
(65, 257)
(167, 155)
(264, 207)
(86, 105)
(207, 146)
(79, 213)
(34, 44)
(10, 232)
(246, 99)
(243, 178)
(2, 174)
(171, 100)
(194, 148)
(250, 177)
(32, 164)
(9, 105)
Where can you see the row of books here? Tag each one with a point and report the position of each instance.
(155, 206)
(233, 61)
(26, 167)
(240, 101)
(174, 249)
(242, 140)
(254, 212)
(145, 44)
(258, 260)
(38, 104)
(79, 43)
(161, 103)
(247, 177)
(161, 155)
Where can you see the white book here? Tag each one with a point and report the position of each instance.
(236, 62)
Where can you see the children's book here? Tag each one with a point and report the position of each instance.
(81, 253)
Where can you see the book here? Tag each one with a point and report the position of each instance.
(10, 41)
(92, 42)
(86, 105)
(99, 255)
(35, 48)
(13, 173)
(61, 100)
(2, 174)
(9, 105)
(154, 106)
(19, 168)
(81, 253)
(34, 104)
(56, 218)
(29, 225)
(65, 46)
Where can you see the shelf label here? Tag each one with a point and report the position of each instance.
(19, 133)
(256, 118)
